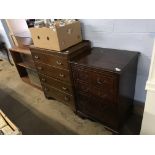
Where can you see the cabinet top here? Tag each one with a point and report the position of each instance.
(112, 60)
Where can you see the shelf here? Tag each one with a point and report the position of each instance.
(27, 65)
(24, 50)
(27, 80)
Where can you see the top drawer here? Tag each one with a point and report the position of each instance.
(52, 60)
(93, 77)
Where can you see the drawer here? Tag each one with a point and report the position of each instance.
(82, 87)
(57, 73)
(93, 77)
(98, 110)
(106, 95)
(81, 74)
(102, 80)
(58, 95)
(101, 93)
(52, 60)
(56, 83)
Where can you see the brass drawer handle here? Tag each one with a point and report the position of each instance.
(67, 98)
(43, 79)
(61, 75)
(40, 68)
(46, 89)
(58, 63)
(36, 57)
(99, 82)
(64, 88)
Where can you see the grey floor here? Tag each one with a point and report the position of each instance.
(33, 114)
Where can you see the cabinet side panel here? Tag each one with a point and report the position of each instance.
(127, 88)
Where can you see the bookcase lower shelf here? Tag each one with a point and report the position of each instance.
(25, 66)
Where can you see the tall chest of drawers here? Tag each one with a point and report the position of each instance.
(54, 71)
(104, 82)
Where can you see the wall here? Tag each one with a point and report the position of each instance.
(17, 25)
(5, 26)
(3, 35)
(148, 126)
(137, 35)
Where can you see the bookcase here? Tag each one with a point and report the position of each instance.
(25, 66)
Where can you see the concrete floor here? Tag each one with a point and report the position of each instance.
(35, 115)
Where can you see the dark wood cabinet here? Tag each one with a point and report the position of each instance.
(104, 83)
(55, 73)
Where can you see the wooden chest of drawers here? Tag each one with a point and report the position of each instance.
(104, 82)
(54, 71)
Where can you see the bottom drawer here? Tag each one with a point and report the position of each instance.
(58, 95)
(98, 110)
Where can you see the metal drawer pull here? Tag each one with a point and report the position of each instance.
(40, 68)
(58, 63)
(46, 89)
(61, 75)
(64, 88)
(99, 82)
(36, 57)
(43, 79)
(67, 98)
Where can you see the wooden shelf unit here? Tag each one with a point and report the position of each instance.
(27, 80)
(27, 65)
(24, 50)
(23, 62)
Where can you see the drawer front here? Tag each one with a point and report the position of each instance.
(93, 77)
(102, 80)
(58, 95)
(57, 73)
(101, 93)
(56, 84)
(81, 74)
(82, 87)
(52, 60)
(98, 109)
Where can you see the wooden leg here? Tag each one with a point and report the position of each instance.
(7, 52)
(1, 60)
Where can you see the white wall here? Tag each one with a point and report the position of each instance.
(3, 36)
(148, 125)
(17, 25)
(137, 35)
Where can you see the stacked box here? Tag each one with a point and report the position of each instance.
(57, 38)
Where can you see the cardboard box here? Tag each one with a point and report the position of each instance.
(57, 39)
